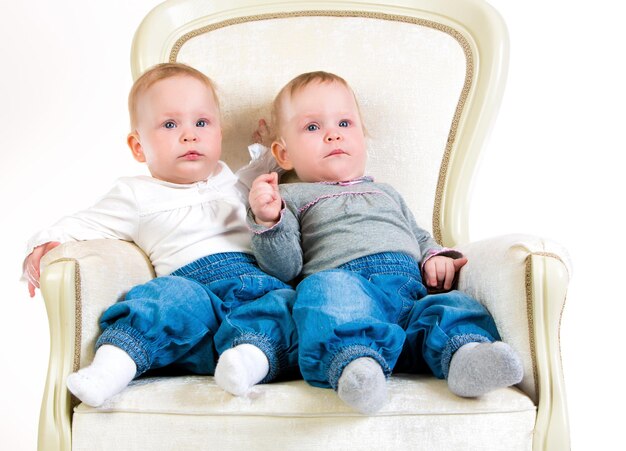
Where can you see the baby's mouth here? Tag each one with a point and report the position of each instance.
(336, 152)
(191, 155)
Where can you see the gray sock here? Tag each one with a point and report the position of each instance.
(478, 368)
(363, 385)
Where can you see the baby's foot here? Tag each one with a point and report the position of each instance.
(110, 372)
(478, 368)
(363, 385)
(240, 368)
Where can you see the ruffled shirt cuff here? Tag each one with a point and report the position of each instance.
(259, 229)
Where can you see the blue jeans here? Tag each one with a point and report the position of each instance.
(184, 321)
(377, 307)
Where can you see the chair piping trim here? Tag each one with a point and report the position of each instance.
(78, 321)
(78, 318)
(469, 75)
(531, 322)
(78, 328)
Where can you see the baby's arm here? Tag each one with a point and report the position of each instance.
(439, 265)
(32, 263)
(114, 216)
(265, 200)
(276, 241)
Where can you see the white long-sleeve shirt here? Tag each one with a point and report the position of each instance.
(173, 224)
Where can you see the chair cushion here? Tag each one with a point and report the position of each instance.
(182, 412)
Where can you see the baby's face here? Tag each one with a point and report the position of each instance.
(322, 134)
(179, 133)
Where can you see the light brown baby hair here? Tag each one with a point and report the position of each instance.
(161, 72)
(296, 85)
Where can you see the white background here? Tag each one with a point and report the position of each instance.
(553, 167)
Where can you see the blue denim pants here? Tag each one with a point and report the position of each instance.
(377, 307)
(184, 321)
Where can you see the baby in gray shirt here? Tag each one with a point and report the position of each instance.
(364, 267)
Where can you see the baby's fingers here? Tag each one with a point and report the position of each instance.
(32, 276)
(449, 276)
(32, 265)
(262, 134)
(442, 274)
(430, 273)
(264, 198)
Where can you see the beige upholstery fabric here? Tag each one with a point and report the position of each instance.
(181, 412)
(408, 128)
(107, 269)
(496, 275)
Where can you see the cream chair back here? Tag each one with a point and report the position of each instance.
(427, 87)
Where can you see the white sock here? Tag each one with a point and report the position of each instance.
(363, 385)
(110, 372)
(478, 368)
(240, 368)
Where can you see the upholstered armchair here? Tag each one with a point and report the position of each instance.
(429, 75)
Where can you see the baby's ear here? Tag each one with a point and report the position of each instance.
(135, 147)
(280, 154)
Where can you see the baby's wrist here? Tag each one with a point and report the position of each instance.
(268, 224)
(266, 220)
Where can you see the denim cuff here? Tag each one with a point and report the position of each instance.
(346, 355)
(131, 342)
(454, 344)
(275, 355)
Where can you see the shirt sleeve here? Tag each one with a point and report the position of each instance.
(427, 244)
(277, 249)
(114, 216)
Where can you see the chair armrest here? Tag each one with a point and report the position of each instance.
(522, 280)
(79, 280)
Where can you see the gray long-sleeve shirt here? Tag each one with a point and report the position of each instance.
(323, 226)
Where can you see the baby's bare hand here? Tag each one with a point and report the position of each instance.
(262, 134)
(265, 200)
(440, 271)
(32, 265)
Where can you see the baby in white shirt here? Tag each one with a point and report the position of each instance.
(189, 217)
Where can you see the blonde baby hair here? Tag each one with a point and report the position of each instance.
(161, 72)
(297, 84)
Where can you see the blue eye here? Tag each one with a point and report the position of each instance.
(169, 124)
(201, 123)
(312, 127)
(344, 123)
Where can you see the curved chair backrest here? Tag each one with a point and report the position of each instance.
(428, 75)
